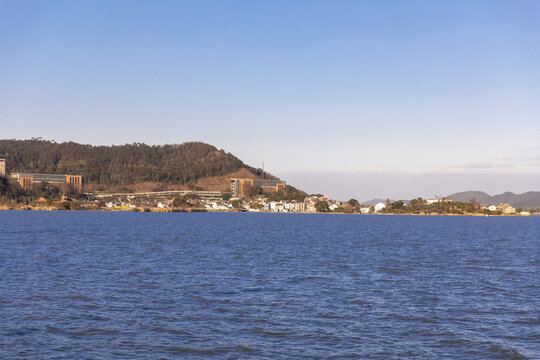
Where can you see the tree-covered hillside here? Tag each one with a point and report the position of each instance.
(123, 164)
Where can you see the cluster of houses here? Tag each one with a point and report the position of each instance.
(270, 206)
(310, 202)
(505, 209)
(502, 208)
(260, 204)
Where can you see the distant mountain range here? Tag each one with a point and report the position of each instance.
(528, 200)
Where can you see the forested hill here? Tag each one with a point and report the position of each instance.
(121, 165)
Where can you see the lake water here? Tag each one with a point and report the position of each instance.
(77, 285)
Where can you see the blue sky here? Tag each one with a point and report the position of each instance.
(359, 93)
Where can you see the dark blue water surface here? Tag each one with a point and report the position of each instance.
(77, 285)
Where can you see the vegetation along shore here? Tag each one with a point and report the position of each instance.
(38, 174)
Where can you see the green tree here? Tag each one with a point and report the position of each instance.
(255, 190)
(397, 205)
(64, 205)
(179, 201)
(290, 193)
(236, 204)
(322, 206)
(354, 203)
(256, 205)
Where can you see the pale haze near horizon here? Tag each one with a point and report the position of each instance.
(348, 98)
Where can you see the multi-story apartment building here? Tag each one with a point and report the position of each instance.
(240, 187)
(27, 180)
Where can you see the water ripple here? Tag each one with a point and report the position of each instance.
(227, 286)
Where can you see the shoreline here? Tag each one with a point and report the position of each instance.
(201, 210)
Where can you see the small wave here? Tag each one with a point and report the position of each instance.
(87, 306)
(393, 271)
(186, 350)
(53, 330)
(20, 332)
(458, 341)
(84, 332)
(216, 351)
(128, 291)
(172, 331)
(279, 334)
(504, 353)
(495, 350)
(317, 277)
(163, 307)
(527, 321)
(80, 297)
(332, 316)
(428, 332)
(95, 331)
(255, 289)
(423, 319)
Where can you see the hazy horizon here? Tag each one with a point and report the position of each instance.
(351, 99)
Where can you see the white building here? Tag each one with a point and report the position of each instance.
(218, 206)
(279, 207)
(379, 206)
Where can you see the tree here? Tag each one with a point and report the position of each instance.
(226, 196)
(191, 196)
(398, 205)
(236, 204)
(353, 202)
(290, 193)
(256, 205)
(322, 206)
(255, 190)
(64, 205)
(179, 201)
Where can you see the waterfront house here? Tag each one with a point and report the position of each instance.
(506, 209)
(333, 207)
(433, 200)
(379, 206)
(299, 206)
